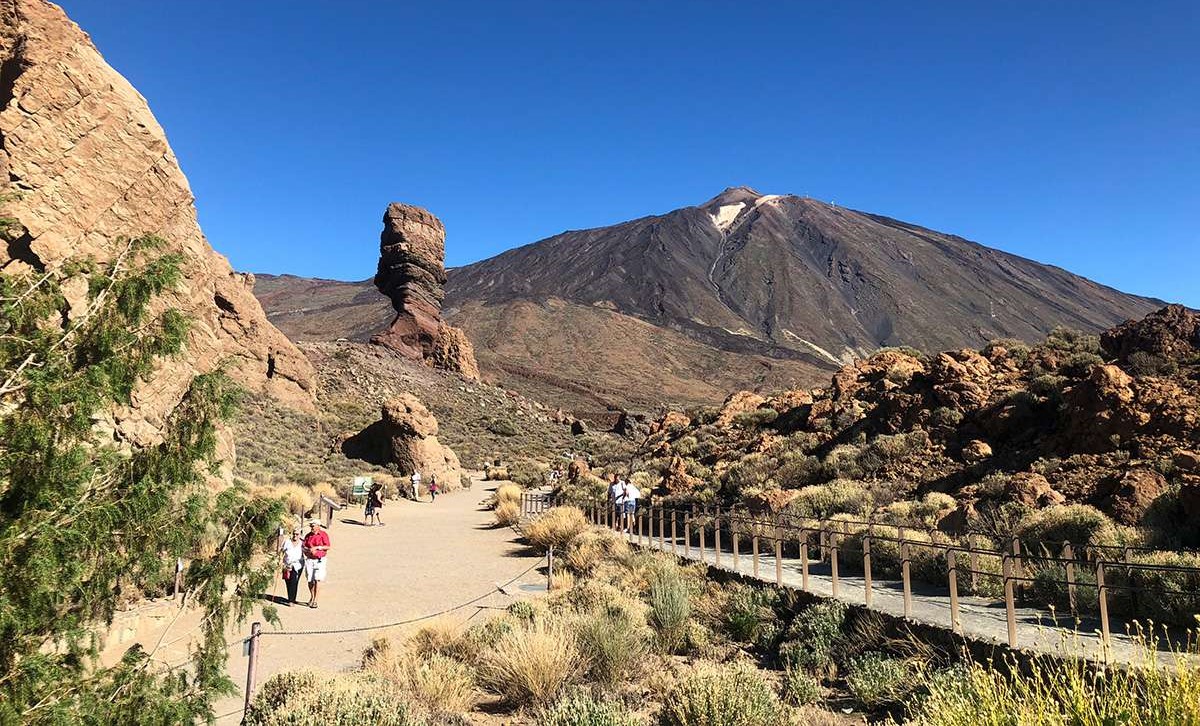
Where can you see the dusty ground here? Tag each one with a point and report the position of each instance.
(427, 558)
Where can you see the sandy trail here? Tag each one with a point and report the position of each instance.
(428, 557)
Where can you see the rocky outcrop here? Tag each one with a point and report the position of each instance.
(86, 165)
(412, 274)
(405, 436)
(1170, 333)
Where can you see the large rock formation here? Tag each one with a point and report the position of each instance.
(406, 437)
(86, 163)
(412, 274)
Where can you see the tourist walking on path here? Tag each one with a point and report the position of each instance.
(415, 480)
(374, 504)
(292, 555)
(631, 496)
(616, 499)
(433, 488)
(316, 547)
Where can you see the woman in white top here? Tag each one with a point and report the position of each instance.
(292, 551)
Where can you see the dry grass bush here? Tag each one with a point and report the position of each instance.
(614, 642)
(564, 579)
(431, 681)
(296, 499)
(878, 680)
(840, 496)
(506, 493)
(496, 473)
(722, 695)
(437, 637)
(556, 527)
(527, 473)
(592, 547)
(670, 610)
(323, 489)
(532, 663)
(310, 699)
(1076, 523)
(507, 513)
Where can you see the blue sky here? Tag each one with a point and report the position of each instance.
(1068, 132)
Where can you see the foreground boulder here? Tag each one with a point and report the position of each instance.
(86, 165)
(412, 274)
(405, 436)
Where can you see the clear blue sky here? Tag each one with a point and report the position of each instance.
(1068, 132)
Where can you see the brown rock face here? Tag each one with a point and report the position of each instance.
(86, 164)
(1170, 333)
(1128, 496)
(406, 436)
(412, 274)
(738, 403)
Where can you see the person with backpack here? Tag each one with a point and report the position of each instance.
(374, 504)
(433, 488)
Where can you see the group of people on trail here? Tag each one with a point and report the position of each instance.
(623, 496)
(305, 558)
(415, 486)
(375, 497)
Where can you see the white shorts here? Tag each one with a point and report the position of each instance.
(314, 570)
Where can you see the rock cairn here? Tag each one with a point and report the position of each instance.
(412, 274)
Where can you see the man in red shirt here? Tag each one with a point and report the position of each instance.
(316, 546)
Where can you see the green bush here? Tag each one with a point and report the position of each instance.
(1141, 363)
(1080, 364)
(580, 709)
(528, 474)
(670, 610)
(749, 614)
(755, 419)
(800, 688)
(1076, 523)
(840, 496)
(722, 695)
(311, 699)
(813, 636)
(613, 642)
(877, 680)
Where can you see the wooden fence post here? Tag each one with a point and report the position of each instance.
(733, 533)
(662, 529)
(1010, 609)
(550, 568)
(700, 532)
(973, 563)
(833, 559)
(754, 549)
(778, 555)
(952, 569)
(252, 664)
(687, 534)
(674, 531)
(1102, 596)
(906, 580)
(717, 537)
(804, 559)
(1018, 571)
(1068, 554)
(867, 566)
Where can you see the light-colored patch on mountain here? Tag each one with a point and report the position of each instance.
(726, 214)
(830, 356)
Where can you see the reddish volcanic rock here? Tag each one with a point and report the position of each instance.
(1128, 496)
(1172, 332)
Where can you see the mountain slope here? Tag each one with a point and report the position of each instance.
(744, 291)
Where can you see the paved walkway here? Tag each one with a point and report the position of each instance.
(979, 619)
(427, 557)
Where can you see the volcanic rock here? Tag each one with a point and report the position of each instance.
(1128, 496)
(1170, 333)
(736, 404)
(1187, 460)
(86, 166)
(412, 274)
(1033, 490)
(976, 451)
(406, 437)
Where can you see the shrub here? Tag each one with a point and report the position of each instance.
(425, 674)
(670, 610)
(580, 709)
(947, 417)
(311, 699)
(496, 473)
(755, 419)
(1075, 523)
(556, 527)
(507, 493)
(593, 546)
(812, 637)
(527, 473)
(885, 451)
(613, 642)
(800, 688)
(1142, 363)
(722, 695)
(822, 501)
(877, 680)
(749, 476)
(507, 513)
(531, 663)
(1065, 340)
(1079, 364)
(296, 499)
(748, 613)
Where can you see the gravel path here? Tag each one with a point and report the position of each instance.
(427, 557)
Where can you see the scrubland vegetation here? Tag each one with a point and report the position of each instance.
(640, 638)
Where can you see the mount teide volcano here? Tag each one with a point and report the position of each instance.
(744, 290)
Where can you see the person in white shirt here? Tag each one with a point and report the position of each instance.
(416, 485)
(630, 497)
(292, 552)
(616, 491)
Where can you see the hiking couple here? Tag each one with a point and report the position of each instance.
(305, 558)
(624, 496)
(415, 482)
(374, 504)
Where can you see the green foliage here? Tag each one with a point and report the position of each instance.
(876, 679)
(310, 699)
(1076, 523)
(527, 473)
(86, 524)
(800, 688)
(722, 695)
(614, 644)
(840, 496)
(1078, 364)
(755, 419)
(813, 637)
(749, 614)
(1065, 340)
(670, 609)
(581, 709)
(1142, 363)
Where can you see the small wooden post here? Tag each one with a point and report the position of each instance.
(952, 570)
(178, 578)
(778, 556)
(1133, 593)
(700, 533)
(674, 532)
(1018, 571)
(717, 537)
(804, 559)
(867, 566)
(833, 560)
(687, 534)
(252, 664)
(550, 569)
(904, 575)
(754, 549)
(1102, 597)
(1010, 608)
(1068, 554)
(733, 533)
(662, 529)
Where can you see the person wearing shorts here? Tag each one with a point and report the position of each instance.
(631, 496)
(316, 547)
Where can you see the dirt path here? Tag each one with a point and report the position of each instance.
(427, 557)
